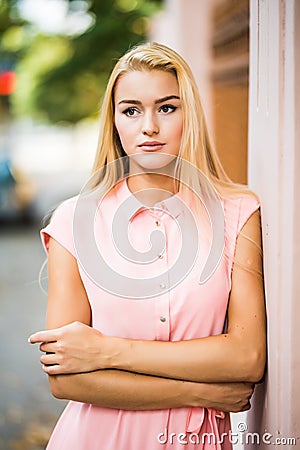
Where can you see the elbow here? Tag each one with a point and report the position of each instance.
(56, 387)
(255, 366)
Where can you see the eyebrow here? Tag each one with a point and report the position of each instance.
(160, 100)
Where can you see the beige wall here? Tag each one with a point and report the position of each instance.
(274, 169)
(230, 120)
(229, 43)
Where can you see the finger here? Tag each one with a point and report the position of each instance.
(51, 369)
(54, 369)
(48, 347)
(49, 359)
(43, 336)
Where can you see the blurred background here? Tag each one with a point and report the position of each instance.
(55, 59)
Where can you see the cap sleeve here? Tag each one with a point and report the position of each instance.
(60, 227)
(237, 211)
(248, 205)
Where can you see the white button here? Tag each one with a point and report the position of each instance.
(162, 285)
(162, 319)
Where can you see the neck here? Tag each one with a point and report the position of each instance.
(151, 188)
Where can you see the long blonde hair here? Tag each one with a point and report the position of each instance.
(196, 147)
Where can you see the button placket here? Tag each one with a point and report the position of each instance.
(162, 302)
(162, 317)
(158, 224)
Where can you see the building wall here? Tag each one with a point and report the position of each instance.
(274, 168)
(213, 38)
(229, 43)
(230, 120)
(185, 27)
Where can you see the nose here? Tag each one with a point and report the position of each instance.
(150, 125)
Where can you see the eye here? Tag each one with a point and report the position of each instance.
(167, 108)
(131, 111)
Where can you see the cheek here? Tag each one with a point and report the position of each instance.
(178, 130)
(126, 135)
(118, 126)
(121, 129)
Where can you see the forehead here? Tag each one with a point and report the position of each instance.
(146, 84)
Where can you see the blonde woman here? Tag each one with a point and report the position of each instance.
(151, 357)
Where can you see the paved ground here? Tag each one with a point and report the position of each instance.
(27, 409)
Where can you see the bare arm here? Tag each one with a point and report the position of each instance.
(130, 391)
(238, 355)
(67, 302)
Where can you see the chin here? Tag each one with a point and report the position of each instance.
(152, 160)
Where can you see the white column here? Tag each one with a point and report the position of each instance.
(274, 170)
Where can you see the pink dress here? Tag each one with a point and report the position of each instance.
(189, 310)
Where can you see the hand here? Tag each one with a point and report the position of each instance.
(74, 348)
(227, 397)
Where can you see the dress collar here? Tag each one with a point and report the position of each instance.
(173, 205)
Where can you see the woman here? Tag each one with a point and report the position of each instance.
(148, 360)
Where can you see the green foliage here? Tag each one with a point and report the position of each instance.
(46, 55)
(62, 78)
(8, 14)
(11, 34)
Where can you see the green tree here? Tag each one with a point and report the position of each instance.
(62, 78)
(11, 37)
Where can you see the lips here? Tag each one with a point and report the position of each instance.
(151, 146)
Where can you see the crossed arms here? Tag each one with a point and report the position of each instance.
(216, 372)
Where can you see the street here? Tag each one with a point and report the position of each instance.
(27, 410)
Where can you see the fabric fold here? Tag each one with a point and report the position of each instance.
(210, 435)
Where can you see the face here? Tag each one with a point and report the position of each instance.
(148, 116)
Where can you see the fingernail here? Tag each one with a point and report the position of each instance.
(29, 340)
